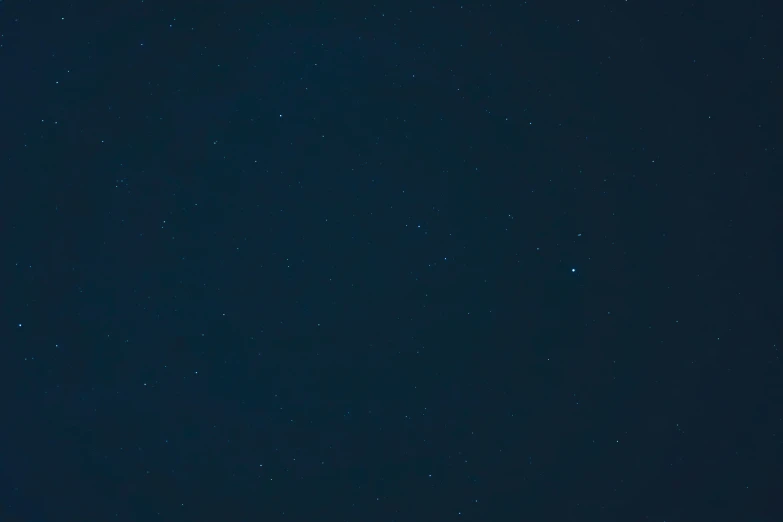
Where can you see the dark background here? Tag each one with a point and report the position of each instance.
(391, 261)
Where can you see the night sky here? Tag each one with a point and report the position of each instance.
(391, 261)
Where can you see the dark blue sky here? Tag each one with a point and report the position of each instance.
(390, 262)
